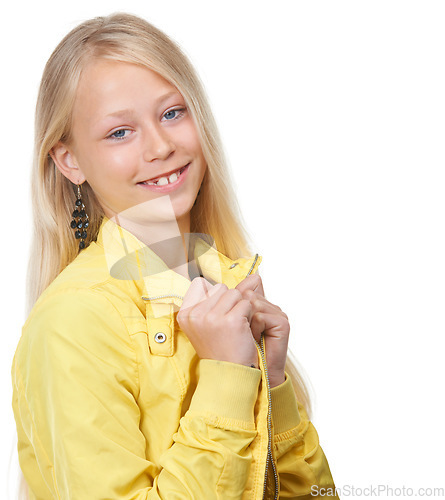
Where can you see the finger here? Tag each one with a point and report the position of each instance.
(243, 308)
(200, 290)
(195, 305)
(252, 282)
(231, 298)
(261, 304)
(272, 325)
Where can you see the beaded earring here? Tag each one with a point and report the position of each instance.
(78, 223)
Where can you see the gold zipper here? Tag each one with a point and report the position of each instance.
(269, 430)
(164, 296)
(269, 412)
(269, 409)
(253, 265)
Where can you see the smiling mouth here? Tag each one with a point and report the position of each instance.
(165, 179)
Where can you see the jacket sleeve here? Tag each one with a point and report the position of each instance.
(301, 463)
(75, 384)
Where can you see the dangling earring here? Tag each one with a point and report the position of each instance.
(80, 225)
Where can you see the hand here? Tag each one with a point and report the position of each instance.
(271, 320)
(216, 320)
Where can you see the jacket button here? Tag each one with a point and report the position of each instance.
(160, 337)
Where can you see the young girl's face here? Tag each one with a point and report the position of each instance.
(131, 126)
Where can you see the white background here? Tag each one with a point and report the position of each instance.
(332, 115)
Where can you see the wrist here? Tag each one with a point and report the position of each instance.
(276, 379)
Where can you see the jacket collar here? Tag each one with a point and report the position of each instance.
(128, 258)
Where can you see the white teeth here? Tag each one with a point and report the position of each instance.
(163, 181)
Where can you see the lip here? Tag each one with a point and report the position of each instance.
(165, 174)
(168, 187)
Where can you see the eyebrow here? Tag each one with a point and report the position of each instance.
(129, 112)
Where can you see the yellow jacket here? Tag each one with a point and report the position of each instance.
(112, 402)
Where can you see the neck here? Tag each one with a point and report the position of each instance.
(169, 239)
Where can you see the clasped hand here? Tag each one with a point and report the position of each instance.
(223, 324)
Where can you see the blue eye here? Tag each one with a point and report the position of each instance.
(119, 134)
(179, 110)
(172, 114)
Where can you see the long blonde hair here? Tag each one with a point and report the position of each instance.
(126, 38)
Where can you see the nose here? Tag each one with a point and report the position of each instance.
(157, 144)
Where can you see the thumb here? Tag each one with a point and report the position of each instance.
(200, 289)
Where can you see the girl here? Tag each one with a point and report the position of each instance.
(151, 365)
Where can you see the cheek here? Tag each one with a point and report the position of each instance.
(190, 138)
(111, 163)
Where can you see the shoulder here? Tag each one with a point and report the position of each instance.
(73, 319)
(86, 292)
(83, 309)
(73, 308)
(87, 271)
(79, 326)
(75, 334)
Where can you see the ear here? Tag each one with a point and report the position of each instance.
(66, 162)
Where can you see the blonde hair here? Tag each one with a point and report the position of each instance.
(126, 38)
